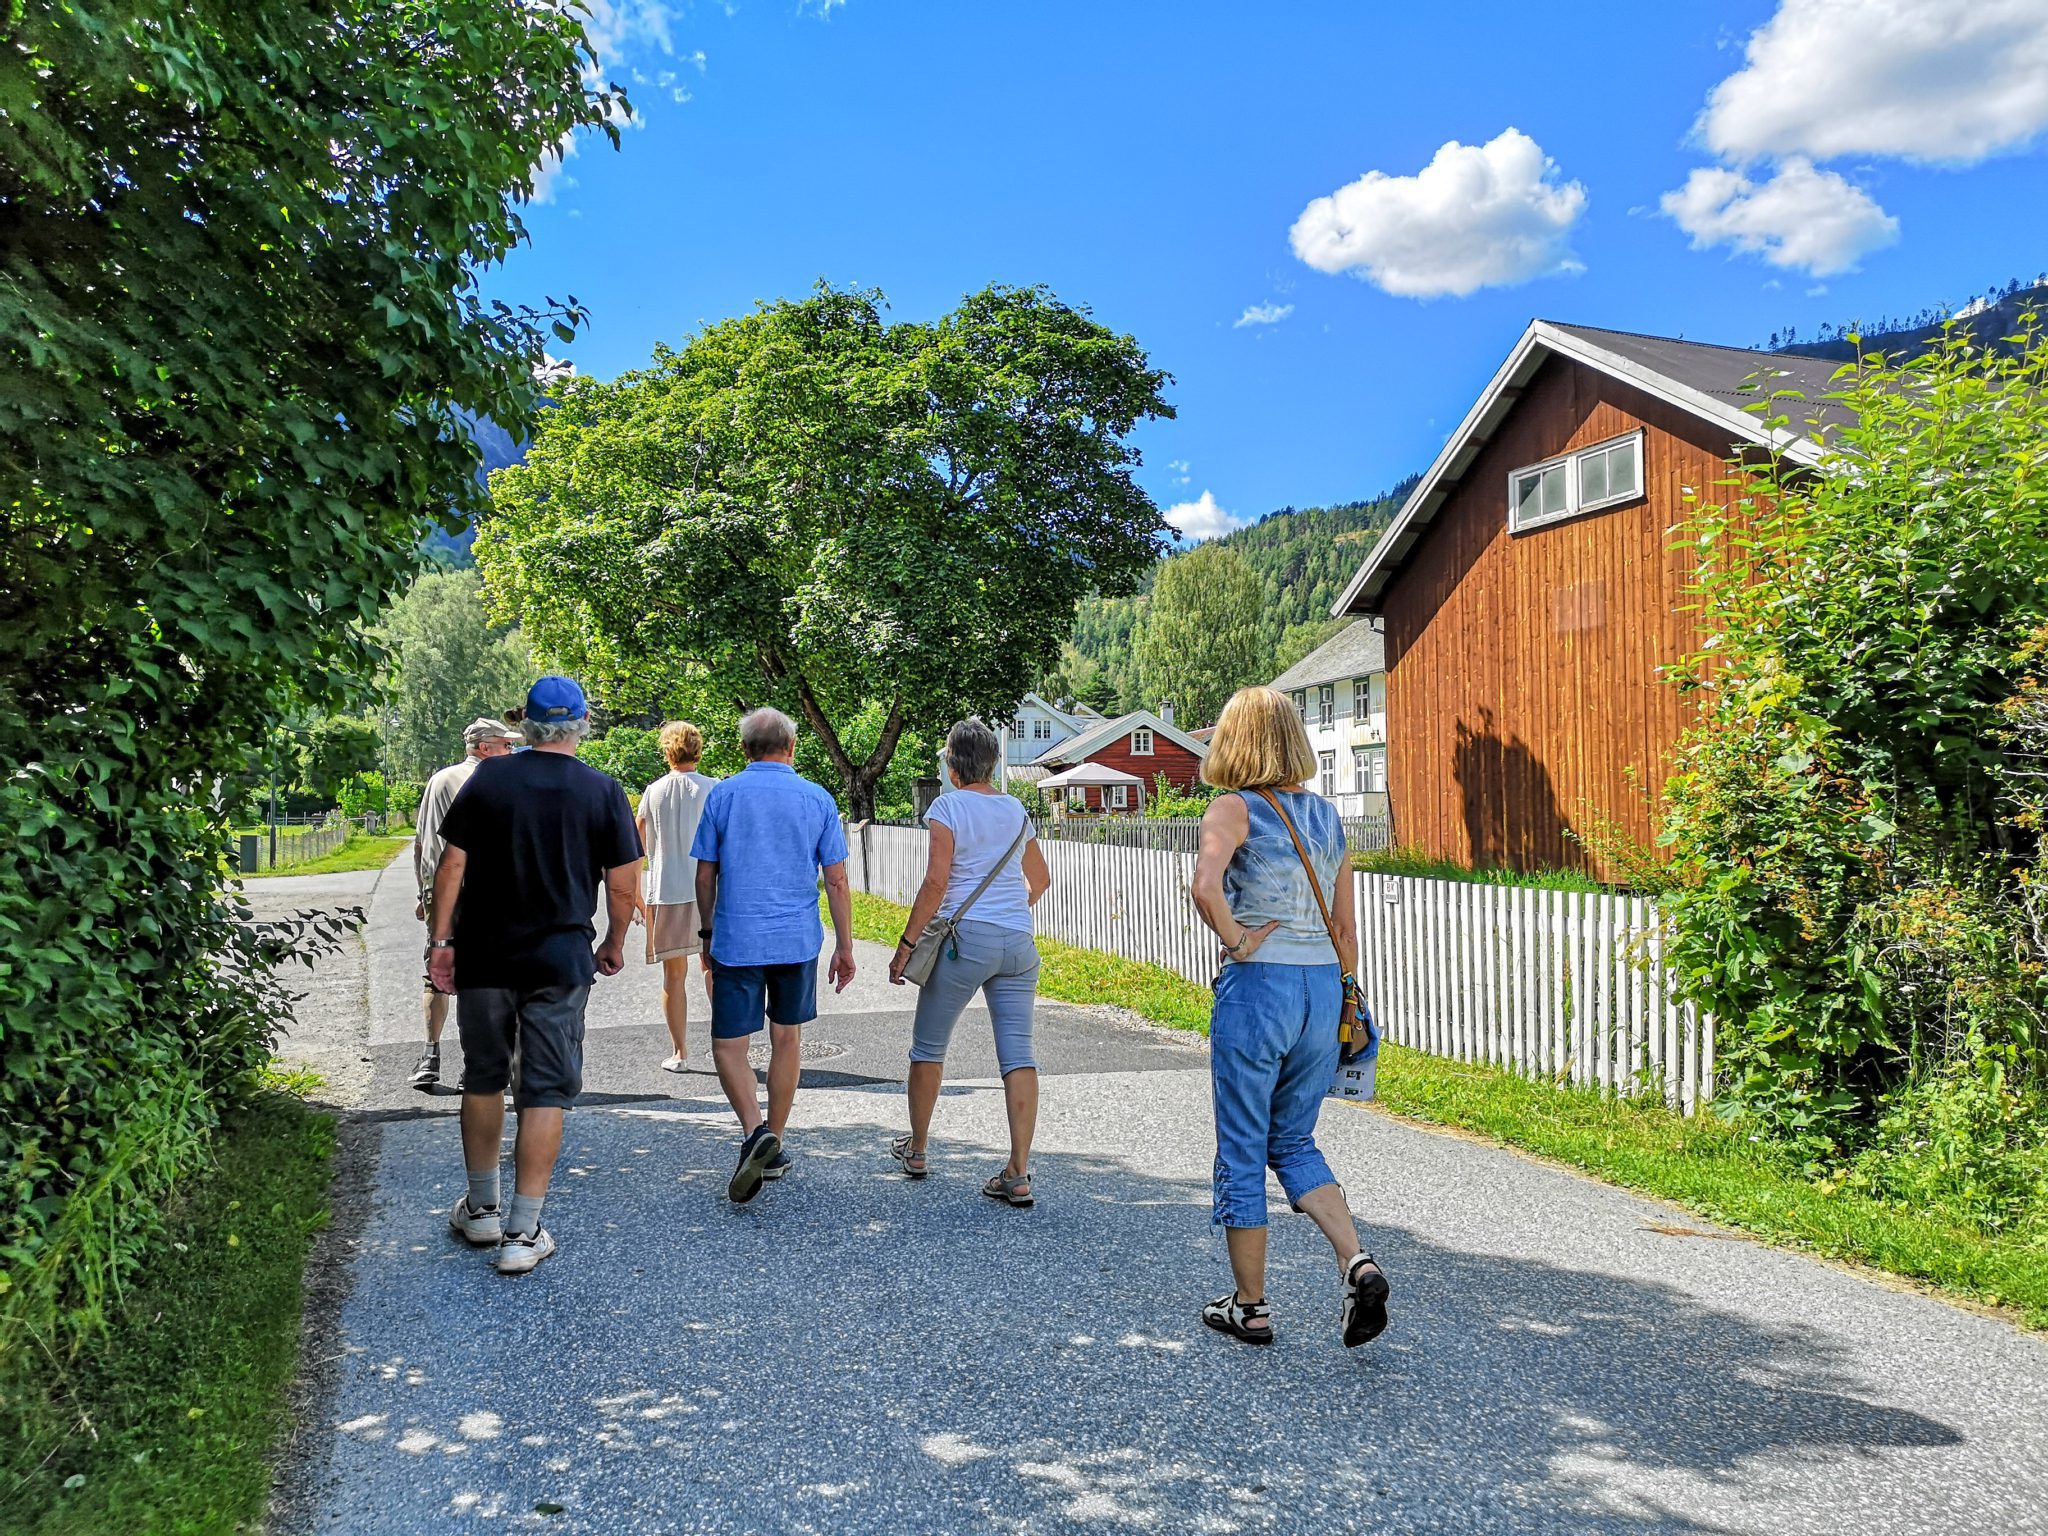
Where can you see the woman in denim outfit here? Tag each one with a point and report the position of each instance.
(1273, 1033)
(973, 828)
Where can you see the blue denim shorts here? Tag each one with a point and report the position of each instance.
(742, 994)
(1272, 1053)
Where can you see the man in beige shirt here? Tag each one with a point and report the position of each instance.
(483, 738)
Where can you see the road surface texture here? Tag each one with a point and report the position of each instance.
(856, 1353)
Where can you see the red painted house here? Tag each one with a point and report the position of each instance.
(1140, 743)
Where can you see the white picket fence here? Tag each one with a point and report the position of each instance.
(1567, 986)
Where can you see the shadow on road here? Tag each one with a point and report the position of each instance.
(853, 1352)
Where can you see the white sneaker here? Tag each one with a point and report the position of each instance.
(480, 1229)
(521, 1251)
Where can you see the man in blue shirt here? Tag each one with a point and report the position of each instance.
(764, 837)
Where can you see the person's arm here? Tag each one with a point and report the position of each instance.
(1344, 912)
(1037, 878)
(622, 895)
(839, 897)
(707, 903)
(1225, 825)
(924, 906)
(426, 849)
(447, 888)
(640, 894)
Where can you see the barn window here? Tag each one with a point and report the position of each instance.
(1141, 741)
(1603, 475)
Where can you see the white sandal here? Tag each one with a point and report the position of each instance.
(676, 1063)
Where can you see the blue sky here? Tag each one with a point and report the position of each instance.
(1203, 176)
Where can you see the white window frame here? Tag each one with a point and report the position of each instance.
(1326, 704)
(1041, 730)
(1574, 506)
(1142, 744)
(1116, 797)
(1326, 773)
(1016, 730)
(1367, 764)
(1361, 698)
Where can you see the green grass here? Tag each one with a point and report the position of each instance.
(1421, 866)
(362, 850)
(166, 1425)
(1703, 1163)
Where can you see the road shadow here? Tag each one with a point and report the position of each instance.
(855, 1352)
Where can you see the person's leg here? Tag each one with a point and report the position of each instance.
(550, 1077)
(1012, 997)
(792, 1003)
(434, 1011)
(738, 997)
(1298, 1091)
(1244, 1060)
(675, 1001)
(485, 1018)
(940, 1002)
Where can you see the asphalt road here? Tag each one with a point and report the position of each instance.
(856, 1353)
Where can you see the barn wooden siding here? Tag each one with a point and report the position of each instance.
(1523, 685)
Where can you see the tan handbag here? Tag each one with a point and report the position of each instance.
(1354, 1033)
(939, 933)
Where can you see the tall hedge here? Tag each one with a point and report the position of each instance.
(239, 319)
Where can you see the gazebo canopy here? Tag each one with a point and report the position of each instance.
(1089, 776)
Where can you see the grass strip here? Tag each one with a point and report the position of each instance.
(167, 1425)
(361, 850)
(1703, 1163)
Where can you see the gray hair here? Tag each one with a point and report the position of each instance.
(972, 751)
(765, 732)
(545, 733)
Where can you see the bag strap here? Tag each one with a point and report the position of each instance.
(1001, 864)
(1315, 883)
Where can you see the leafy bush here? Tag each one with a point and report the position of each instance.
(239, 321)
(364, 794)
(1164, 802)
(1852, 856)
(403, 796)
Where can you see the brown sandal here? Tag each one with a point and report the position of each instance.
(1011, 1191)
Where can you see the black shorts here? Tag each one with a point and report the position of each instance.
(741, 994)
(544, 1023)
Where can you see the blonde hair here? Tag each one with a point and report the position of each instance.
(1259, 742)
(681, 743)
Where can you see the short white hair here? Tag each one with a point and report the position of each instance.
(764, 732)
(545, 733)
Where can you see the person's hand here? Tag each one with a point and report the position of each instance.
(441, 969)
(611, 955)
(840, 972)
(419, 911)
(897, 962)
(704, 961)
(1248, 943)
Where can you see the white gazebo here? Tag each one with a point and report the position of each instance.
(1097, 776)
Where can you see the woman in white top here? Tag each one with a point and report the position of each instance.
(975, 829)
(669, 809)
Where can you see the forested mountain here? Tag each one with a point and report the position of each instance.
(1303, 556)
(1989, 317)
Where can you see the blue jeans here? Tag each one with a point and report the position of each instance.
(999, 963)
(1272, 1053)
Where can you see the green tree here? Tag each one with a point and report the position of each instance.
(1200, 641)
(337, 748)
(238, 317)
(449, 664)
(809, 507)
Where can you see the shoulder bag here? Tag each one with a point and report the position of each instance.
(1358, 1038)
(939, 933)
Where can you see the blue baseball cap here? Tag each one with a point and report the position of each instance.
(555, 698)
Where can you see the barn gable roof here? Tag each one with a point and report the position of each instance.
(1712, 382)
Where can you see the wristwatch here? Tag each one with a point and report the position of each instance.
(704, 933)
(442, 944)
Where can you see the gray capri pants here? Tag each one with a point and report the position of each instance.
(1002, 964)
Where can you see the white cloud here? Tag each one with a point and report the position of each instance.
(1942, 80)
(1801, 217)
(1202, 519)
(1262, 314)
(1476, 216)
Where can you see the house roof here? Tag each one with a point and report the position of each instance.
(1695, 376)
(1096, 737)
(1087, 776)
(1066, 717)
(1357, 650)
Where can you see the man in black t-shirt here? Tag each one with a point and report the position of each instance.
(530, 837)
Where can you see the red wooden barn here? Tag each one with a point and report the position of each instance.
(1141, 744)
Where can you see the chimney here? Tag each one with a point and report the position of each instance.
(1166, 710)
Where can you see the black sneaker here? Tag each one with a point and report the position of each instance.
(777, 1166)
(428, 1073)
(756, 1153)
